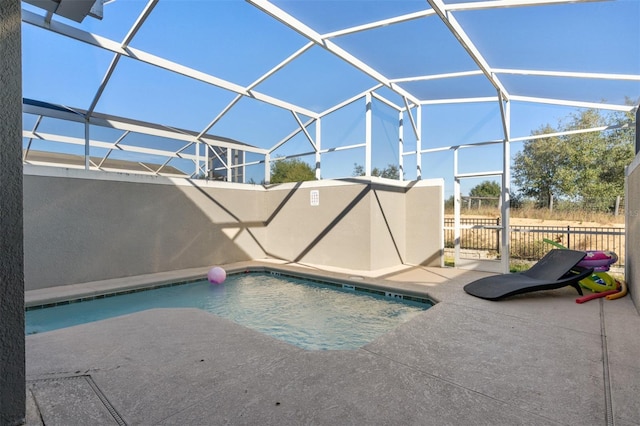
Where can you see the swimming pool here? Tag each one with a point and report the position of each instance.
(311, 315)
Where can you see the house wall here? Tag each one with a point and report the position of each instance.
(360, 224)
(336, 232)
(12, 370)
(87, 226)
(632, 211)
(425, 225)
(388, 233)
(83, 227)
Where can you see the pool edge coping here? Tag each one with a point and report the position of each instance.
(73, 293)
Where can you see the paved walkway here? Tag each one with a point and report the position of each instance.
(536, 359)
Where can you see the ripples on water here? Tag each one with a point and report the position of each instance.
(306, 314)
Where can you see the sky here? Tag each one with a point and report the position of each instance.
(237, 42)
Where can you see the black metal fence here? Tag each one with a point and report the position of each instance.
(527, 242)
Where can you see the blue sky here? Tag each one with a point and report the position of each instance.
(235, 41)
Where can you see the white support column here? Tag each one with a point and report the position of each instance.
(318, 148)
(206, 161)
(197, 160)
(419, 143)
(87, 145)
(244, 168)
(400, 146)
(368, 136)
(506, 201)
(456, 208)
(506, 188)
(229, 164)
(267, 168)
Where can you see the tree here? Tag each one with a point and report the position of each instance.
(581, 167)
(390, 172)
(536, 169)
(616, 151)
(292, 170)
(449, 203)
(486, 189)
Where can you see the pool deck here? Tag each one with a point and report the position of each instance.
(534, 359)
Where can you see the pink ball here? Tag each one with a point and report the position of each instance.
(216, 275)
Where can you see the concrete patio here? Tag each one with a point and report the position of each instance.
(535, 359)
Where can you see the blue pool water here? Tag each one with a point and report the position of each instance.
(307, 314)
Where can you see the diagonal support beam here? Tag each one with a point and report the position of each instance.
(296, 25)
(379, 24)
(175, 155)
(256, 83)
(139, 55)
(225, 164)
(219, 116)
(493, 4)
(115, 145)
(35, 129)
(568, 74)
(304, 130)
(116, 57)
(414, 126)
(505, 115)
(290, 136)
(456, 29)
(570, 103)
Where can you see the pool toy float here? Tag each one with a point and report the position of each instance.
(216, 275)
(621, 293)
(592, 296)
(599, 260)
(599, 282)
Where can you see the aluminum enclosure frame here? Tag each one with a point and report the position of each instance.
(220, 148)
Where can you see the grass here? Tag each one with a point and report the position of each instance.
(573, 216)
(530, 212)
(523, 249)
(567, 215)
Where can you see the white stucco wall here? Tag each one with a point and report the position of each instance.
(83, 226)
(632, 213)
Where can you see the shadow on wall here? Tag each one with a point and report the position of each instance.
(82, 227)
(322, 234)
(80, 230)
(356, 224)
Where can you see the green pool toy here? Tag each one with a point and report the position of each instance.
(599, 282)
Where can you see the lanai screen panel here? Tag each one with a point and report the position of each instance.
(292, 77)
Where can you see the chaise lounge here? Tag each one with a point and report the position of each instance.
(556, 269)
